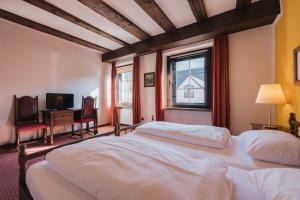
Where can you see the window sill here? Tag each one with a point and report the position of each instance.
(189, 109)
(123, 107)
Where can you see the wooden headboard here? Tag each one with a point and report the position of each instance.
(293, 124)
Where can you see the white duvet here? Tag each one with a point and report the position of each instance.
(209, 136)
(127, 168)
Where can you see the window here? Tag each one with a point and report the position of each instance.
(190, 79)
(188, 91)
(124, 86)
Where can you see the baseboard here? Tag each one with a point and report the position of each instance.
(12, 145)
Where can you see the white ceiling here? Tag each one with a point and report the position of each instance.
(33, 13)
(178, 11)
(214, 7)
(86, 14)
(132, 11)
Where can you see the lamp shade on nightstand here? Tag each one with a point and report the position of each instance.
(270, 94)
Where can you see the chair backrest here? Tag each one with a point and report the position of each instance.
(26, 109)
(88, 107)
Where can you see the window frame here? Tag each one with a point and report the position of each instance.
(122, 105)
(207, 53)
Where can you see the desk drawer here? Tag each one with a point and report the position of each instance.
(63, 121)
(61, 115)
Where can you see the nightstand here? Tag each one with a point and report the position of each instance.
(256, 126)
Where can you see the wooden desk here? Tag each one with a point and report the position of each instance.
(54, 118)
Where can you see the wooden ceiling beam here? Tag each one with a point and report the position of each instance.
(257, 14)
(114, 16)
(198, 9)
(242, 3)
(155, 12)
(45, 29)
(61, 13)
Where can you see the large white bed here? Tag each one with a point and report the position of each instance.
(155, 159)
(57, 187)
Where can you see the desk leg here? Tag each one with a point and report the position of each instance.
(73, 130)
(51, 135)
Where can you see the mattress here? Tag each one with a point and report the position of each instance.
(56, 187)
(234, 155)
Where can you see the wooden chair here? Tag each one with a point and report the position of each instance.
(88, 114)
(27, 117)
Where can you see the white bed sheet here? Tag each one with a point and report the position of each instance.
(233, 155)
(45, 184)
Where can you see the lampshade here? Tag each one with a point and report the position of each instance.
(270, 94)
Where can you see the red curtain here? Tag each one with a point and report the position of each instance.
(136, 105)
(220, 82)
(113, 94)
(158, 87)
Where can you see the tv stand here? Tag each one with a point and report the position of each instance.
(54, 118)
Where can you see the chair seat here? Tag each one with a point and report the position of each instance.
(30, 127)
(85, 120)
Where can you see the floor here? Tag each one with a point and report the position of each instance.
(9, 162)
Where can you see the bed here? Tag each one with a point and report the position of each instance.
(57, 187)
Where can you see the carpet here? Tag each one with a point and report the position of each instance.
(9, 169)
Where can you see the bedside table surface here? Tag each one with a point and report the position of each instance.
(258, 126)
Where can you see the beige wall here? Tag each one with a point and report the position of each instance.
(147, 64)
(251, 64)
(33, 63)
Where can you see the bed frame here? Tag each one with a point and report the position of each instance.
(24, 193)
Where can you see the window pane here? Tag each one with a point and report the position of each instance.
(124, 88)
(190, 81)
(180, 98)
(199, 96)
(182, 71)
(198, 68)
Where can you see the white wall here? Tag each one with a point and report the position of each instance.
(147, 64)
(188, 117)
(33, 63)
(105, 93)
(251, 64)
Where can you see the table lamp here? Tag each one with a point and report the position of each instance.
(270, 94)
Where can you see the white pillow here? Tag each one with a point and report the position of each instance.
(274, 146)
(209, 136)
(277, 183)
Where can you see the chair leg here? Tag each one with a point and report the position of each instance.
(37, 134)
(81, 131)
(73, 130)
(17, 140)
(45, 135)
(87, 127)
(95, 128)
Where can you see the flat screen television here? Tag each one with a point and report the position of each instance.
(59, 101)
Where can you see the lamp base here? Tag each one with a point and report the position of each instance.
(274, 127)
